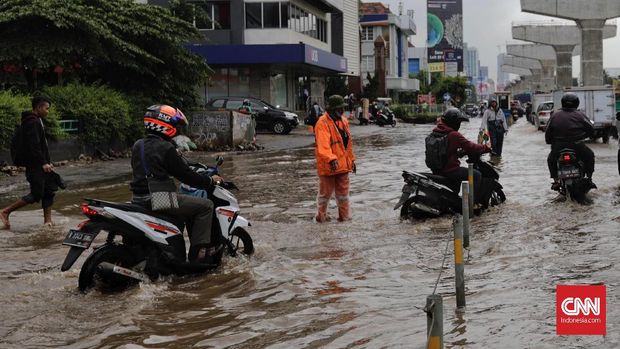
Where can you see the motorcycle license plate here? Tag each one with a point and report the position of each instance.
(79, 238)
(569, 172)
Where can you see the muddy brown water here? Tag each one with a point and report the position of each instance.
(336, 285)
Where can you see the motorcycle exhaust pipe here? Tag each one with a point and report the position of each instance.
(109, 268)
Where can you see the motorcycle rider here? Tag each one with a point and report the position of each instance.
(163, 161)
(565, 128)
(457, 144)
(246, 107)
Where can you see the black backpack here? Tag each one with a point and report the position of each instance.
(436, 151)
(18, 156)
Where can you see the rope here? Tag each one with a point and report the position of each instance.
(445, 253)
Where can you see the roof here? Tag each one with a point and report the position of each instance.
(374, 8)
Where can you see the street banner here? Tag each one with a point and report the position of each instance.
(445, 33)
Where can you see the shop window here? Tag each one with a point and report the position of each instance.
(277, 86)
(210, 16)
(253, 15)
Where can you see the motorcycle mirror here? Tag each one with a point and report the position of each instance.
(219, 160)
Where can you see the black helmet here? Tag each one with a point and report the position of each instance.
(453, 115)
(570, 101)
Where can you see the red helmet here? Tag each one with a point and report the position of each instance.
(162, 120)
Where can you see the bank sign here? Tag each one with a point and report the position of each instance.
(320, 58)
(445, 34)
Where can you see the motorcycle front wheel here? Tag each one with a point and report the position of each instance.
(240, 240)
(91, 275)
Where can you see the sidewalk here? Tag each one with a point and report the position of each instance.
(82, 175)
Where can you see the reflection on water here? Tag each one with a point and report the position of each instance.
(337, 285)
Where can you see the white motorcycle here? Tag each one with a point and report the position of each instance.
(142, 244)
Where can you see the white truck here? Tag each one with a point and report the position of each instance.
(598, 103)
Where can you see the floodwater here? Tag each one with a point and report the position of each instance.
(360, 284)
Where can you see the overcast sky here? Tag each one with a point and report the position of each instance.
(487, 26)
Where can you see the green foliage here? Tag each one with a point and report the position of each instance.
(336, 85)
(371, 89)
(129, 46)
(455, 86)
(11, 107)
(104, 114)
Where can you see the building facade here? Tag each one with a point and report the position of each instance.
(471, 63)
(379, 26)
(278, 51)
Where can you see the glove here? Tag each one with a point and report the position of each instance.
(333, 165)
(354, 167)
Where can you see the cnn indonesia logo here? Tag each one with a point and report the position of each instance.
(580, 310)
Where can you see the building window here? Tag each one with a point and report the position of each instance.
(210, 16)
(367, 33)
(271, 15)
(284, 21)
(368, 63)
(253, 15)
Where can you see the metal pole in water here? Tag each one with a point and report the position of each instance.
(470, 180)
(465, 209)
(434, 321)
(459, 267)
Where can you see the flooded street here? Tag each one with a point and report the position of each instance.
(359, 284)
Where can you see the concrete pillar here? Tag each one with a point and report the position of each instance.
(545, 55)
(591, 51)
(563, 38)
(564, 68)
(590, 16)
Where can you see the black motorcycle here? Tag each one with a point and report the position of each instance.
(571, 175)
(426, 195)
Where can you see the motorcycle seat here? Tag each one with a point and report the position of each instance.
(443, 181)
(131, 207)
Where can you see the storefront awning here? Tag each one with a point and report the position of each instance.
(230, 55)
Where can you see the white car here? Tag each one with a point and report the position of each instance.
(543, 112)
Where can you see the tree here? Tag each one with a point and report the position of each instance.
(336, 85)
(371, 89)
(455, 86)
(132, 47)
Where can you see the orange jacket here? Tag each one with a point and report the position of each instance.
(329, 146)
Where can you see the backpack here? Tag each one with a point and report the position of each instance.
(18, 156)
(436, 151)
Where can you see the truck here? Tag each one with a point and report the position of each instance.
(598, 103)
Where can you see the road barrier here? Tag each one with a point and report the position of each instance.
(459, 267)
(470, 180)
(465, 209)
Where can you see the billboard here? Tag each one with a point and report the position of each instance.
(445, 33)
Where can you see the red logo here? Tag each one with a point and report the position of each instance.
(580, 310)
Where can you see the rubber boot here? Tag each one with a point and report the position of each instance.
(205, 254)
(4, 214)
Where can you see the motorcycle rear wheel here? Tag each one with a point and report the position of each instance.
(497, 197)
(240, 240)
(90, 275)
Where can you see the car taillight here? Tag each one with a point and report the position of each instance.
(541, 113)
(89, 211)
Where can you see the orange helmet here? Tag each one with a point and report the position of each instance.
(162, 120)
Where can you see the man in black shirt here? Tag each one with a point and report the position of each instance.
(39, 168)
(565, 129)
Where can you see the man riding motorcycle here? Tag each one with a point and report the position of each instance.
(457, 144)
(157, 155)
(565, 129)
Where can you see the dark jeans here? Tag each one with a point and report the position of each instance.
(584, 154)
(198, 216)
(461, 174)
(496, 132)
(42, 186)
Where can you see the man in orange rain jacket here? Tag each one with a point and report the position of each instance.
(334, 159)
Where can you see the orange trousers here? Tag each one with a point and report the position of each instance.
(327, 185)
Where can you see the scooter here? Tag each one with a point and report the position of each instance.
(143, 245)
(384, 118)
(571, 175)
(426, 195)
